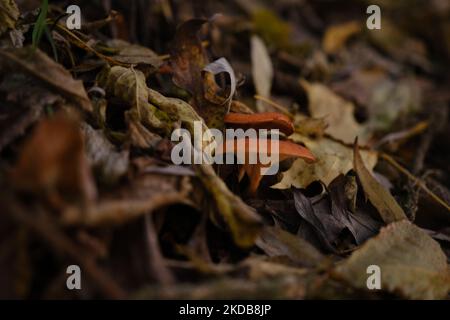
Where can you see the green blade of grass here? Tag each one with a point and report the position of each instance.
(39, 26)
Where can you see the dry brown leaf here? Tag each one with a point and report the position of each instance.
(192, 72)
(128, 84)
(333, 159)
(337, 35)
(338, 113)
(412, 264)
(276, 242)
(38, 65)
(381, 199)
(9, 13)
(53, 162)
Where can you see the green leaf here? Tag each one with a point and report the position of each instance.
(40, 25)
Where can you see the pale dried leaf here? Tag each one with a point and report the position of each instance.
(412, 264)
(333, 159)
(262, 69)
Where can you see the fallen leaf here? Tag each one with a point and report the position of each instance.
(381, 199)
(215, 68)
(188, 61)
(128, 84)
(343, 207)
(21, 108)
(333, 159)
(38, 65)
(53, 163)
(188, 57)
(306, 126)
(262, 70)
(134, 54)
(412, 264)
(9, 14)
(107, 163)
(338, 113)
(242, 221)
(276, 242)
(337, 35)
(325, 225)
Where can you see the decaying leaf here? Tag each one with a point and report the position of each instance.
(188, 61)
(338, 113)
(109, 164)
(277, 242)
(134, 54)
(22, 108)
(9, 13)
(38, 65)
(128, 84)
(381, 199)
(333, 159)
(337, 35)
(262, 70)
(412, 264)
(240, 219)
(53, 163)
(217, 67)
(319, 217)
(361, 224)
(310, 127)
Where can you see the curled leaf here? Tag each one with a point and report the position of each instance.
(222, 66)
(128, 84)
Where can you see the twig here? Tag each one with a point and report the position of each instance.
(120, 211)
(419, 182)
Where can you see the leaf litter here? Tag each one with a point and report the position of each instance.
(86, 118)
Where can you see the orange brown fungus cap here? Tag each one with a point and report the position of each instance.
(266, 120)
